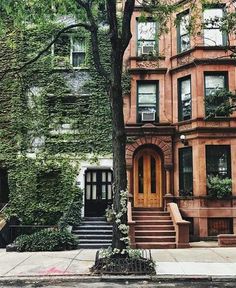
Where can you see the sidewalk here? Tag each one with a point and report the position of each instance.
(191, 262)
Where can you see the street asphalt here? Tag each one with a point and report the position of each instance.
(209, 264)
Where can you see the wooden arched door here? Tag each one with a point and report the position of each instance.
(147, 179)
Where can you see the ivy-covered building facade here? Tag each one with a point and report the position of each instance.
(180, 149)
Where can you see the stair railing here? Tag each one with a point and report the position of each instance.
(131, 224)
(181, 226)
(2, 220)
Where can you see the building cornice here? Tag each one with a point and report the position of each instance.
(147, 70)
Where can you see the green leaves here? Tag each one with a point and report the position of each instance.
(219, 188)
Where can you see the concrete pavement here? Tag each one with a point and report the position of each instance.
(170, 262)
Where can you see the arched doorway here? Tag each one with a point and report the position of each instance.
(147, 179)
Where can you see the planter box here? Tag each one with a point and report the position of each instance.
(227, 240)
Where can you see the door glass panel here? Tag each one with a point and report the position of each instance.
(94, 192)
(109, 177)
(109, 191)
(103, 176)
(88, 192)
(88, 176)
(153, 175)
(103, 191)
(94, 176)
(140, 175)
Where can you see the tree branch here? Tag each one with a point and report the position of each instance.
(34, 59)
(112, 20)
(126, 33)
(94, 37)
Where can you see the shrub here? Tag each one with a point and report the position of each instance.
(219, 188)
(46, 240)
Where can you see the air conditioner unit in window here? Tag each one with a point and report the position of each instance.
(148, 116)
(147, 49)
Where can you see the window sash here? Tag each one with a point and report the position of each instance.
(218, 161)
(185, 172)
(146, 99)
(183, 33)
(185, 99)
(212, 22)
(146, 35)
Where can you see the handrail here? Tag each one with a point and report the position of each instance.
(131, 224)
(181, 226)
(4, 207)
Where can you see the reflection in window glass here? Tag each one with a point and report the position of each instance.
(146, 38)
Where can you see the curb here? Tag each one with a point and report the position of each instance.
(56, 279)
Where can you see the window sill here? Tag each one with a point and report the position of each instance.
(147, 58)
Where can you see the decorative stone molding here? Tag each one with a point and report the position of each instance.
(148, 64)
(164, 143)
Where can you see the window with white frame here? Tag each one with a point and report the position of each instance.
(147, 102)
(69, 50)
(183, 32)
(213, 36)
(147, 38)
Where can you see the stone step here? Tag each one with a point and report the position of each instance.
(155, 245)
(154, 222)
(154, 227)
(151, 213)
(95, 223)
(147, 209)
(150, 217)
(155, 233)
(93, 246)
(94, 219)
(95, 236)
(95, 241)
(92, 227)
(91, 232)
(156, 239)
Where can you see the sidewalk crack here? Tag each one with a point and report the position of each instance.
(18, 264)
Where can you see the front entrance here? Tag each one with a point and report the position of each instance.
(147, 179)
(98, 192)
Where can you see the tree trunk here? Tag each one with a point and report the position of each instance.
(118, 144)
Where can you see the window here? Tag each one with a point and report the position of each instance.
(77, 51)
(213, 83)
(185, 171)
(184, 90)
(147, 102)
(69, 50)
(183, 32)
(218, 161)
(146, 42)
(212, 24)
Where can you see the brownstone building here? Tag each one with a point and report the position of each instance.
(172, 147)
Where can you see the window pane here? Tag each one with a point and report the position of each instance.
(94, 176)
(146, 30)
(212, 23)
(78, 59)
(94, 192)
(140, 175)
(88, 192)
(104, 192)
(103, 176)
(185, 171)
(88, 177)
(109, 192)
(213, 37)
(184, 42)
(184, 24)
(213, 83)
(185, 109)
(218, 160)
(147, 93)
(109, 176)
(78, 45)
(153, 175)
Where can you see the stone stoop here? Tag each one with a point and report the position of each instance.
(154, 228)
(93, 233)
